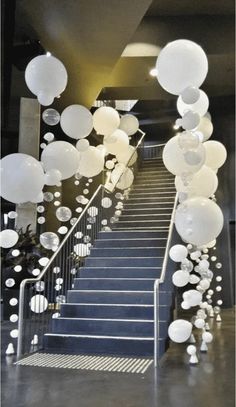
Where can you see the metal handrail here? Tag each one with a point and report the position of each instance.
(155, 145)
(43, 272)
(159, 281)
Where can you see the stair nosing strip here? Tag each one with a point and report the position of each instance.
(101, 336)
(108, 319)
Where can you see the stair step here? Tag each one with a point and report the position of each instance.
(115, 234)
(124, 261)
(94, 344)
(127, 252)
(127, 242)
(146, 211)
(117, 297)
(114, 284)
(120, 272)
(142, 223)
(145, 216)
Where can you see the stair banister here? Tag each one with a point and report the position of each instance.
(160, 281)
(46, 268)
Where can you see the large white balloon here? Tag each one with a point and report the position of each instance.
(198, 220)
(106, 120)
(200, 106)
(178, 253)
(128, 156)
(22, 178)
(180, 64)
(52, 177)
(8, 238)
(174, 159)
(76, 121)
(204, 129)
(46, 77)
(120, 143)
(204, 183)
(180, 330)
(62, 156)
(192, 297)
(180, 278)
(129, 124)
(91, 162)
(121, 177)
(216, 154)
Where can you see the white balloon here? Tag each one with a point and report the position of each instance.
(125, 180)
(203, 183)
(205, 129)
(207, 337)
(129, 124)
(46, 77)
(193, 297)
(106, 202)
(216, 154)
(38, 304)
(205, 284)
(91, 162)
(128, 156)
(190, 95)
(193, 279)
(174, 159)
(200, 106)
(180, 278)
(49, 240)
(178, 253)
(48, 137)
(52, 177)
(63, 213)
(119, 145)
(180, 64)
(106, 120)
(190, 120)
(198, 220)
(76, 121)
(199, 323)
(180, 330)
(82, 145)
(22, 178)
(8, 238)
(62, 156)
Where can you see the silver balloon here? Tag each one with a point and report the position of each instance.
(48, 196)
(49, 240)
(63, 214)
(51, 117)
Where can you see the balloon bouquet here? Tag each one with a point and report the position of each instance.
(181, 69)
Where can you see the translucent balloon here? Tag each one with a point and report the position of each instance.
(129, 124)
(22, 178)
(106, 202)
(178, 253)
(41, 220)
(190, 120)
(128, 156)
(91, 162)
(190, 95)
(38, 304)
(8, 238)
(49, 240)
(49, 136)
(125, 181)
(193, 279)
(48, 197)
(120, 145)
(63, 213)
(106, 120)
(82, 145)
(198, 220)
(188, 141)
(180, 278)
(181, 64)
(200, 106)
(174, 160)
(63, 230)
(51, 117)
(180, 330)
(76, 121)
(46, 77)
(216, 154)
(193, 297)
(205, 129)
(203, 183)
(61, 156)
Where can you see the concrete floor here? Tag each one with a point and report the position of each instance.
(175, 384)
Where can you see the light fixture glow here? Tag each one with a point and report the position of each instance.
(153, 72)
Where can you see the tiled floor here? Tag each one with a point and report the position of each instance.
(175, 384)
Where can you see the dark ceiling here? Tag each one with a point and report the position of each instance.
(108, 48)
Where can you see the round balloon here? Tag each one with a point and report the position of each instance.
(200, 106)
(128, 156)
(82, 145)
(38, 303)
(91, 162)
(178, 253)
(49, 240)
(76, 121)
(190, 95)
(22, 178)
(52, 177)
(198, 220)
(119, 145)
(205, 129)
(106, 120)
(62, 156)
(51, 117)
(193, 297)
(63, 213)
(190, 120)
(180, 278)
(203, 183)
(216, 154)
(8, 238)
(174, 160)
(46, 77)
(180, 330)
(180, 64)
(129, 124)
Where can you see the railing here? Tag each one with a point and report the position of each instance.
(153, 151)
(49, 289)
(157, 285)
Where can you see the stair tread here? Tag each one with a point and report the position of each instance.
(146, 338)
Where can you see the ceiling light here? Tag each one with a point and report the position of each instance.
(153, 72)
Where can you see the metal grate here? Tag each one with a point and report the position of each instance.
(99, 363)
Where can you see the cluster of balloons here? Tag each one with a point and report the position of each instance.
(182, 67)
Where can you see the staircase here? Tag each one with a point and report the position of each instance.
(110, 309)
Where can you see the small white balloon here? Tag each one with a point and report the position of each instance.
(190, 95)
(49, 136)
(178, 253)
(8, 238)
(38, 304)
(129, 124)
(43, 261)
(190, 120)
(200, 106)
(180, 330)
(180, 278)
(82, 145)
